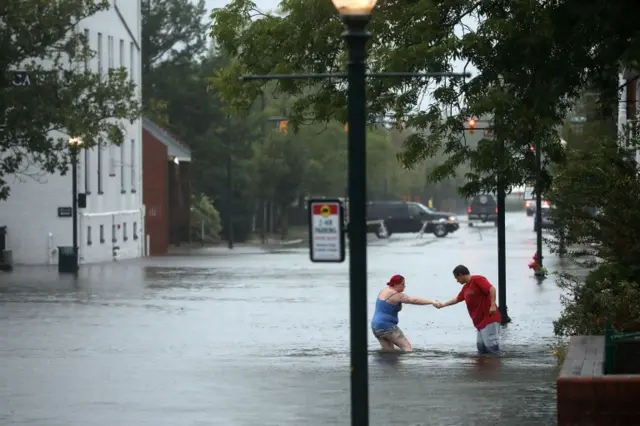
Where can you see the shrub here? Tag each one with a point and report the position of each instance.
(604, 294)
(202, 210)
(596, 199)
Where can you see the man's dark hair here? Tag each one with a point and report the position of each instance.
(460, 270)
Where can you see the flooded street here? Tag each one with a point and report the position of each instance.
(249, 337)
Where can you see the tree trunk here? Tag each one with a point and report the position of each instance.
(284, 222)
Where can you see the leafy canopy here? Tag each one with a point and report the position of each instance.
(47, 95)
(533, 59)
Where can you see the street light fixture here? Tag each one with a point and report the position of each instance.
(75, 143)
(354, 7)
(356, 15)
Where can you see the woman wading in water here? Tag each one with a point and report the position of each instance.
(385, 318)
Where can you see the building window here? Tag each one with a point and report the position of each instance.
(121, 54)
(99, 148)
(89, 236)
(135, 230)
(122, 178)
(101, 234)
(134, 179)
(87, 175)
(110, 51)
(87, 36)
(99, 54)
(131, 56)
(124, 231)
(114, 237)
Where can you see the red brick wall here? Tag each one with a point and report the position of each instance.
(155, 185)
(610, 400)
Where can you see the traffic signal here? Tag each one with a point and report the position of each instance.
(283, 127)
(532, 148)
(346, 127)
(471, 124)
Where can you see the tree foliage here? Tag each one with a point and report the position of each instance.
(47, 95)
(174, 36)
(596, 197)
(532, 58)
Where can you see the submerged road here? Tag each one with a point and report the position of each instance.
(250, 337)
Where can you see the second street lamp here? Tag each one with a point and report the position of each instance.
(74, 146)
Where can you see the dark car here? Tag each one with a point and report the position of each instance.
(402, 217)
(483, 208)
(531, 205)
(546, 220)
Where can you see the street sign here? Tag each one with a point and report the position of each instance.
(529, 192)
(65, 211)
(326, 230)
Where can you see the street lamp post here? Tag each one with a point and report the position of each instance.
(74, 146)
(229, 187)
(538, 154)
(356, 16)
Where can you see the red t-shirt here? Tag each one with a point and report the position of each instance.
(476, 295)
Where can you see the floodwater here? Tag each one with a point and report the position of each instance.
(251, 337)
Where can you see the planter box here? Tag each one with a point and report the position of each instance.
(586, 397)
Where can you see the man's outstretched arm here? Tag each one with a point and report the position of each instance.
(453, 301)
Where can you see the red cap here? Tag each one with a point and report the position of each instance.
(396, 279)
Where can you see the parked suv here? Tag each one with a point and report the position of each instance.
(483, 208)
(402, 217)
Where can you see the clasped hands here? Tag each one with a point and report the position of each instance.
(438, 304)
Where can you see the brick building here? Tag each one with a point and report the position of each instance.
(166, 187)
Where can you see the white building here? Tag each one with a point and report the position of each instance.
(113, 221)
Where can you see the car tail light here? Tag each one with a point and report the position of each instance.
(468, 209)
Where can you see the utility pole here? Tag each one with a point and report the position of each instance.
(263, 203)
(229, 186)
(539, 205)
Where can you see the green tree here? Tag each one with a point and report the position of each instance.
(533, 59)
(173, 39)
(204, 217)
(596, 197)
(47, 96)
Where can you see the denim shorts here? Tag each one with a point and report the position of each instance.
(384, 332)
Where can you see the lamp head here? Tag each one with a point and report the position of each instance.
(354, 7)
(75, 142)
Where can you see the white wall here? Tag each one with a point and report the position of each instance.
(112, 176)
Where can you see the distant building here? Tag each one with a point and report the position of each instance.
(112, 224)
(166, 184)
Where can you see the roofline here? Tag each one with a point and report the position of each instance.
(165, 137)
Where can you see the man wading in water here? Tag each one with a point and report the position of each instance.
(480, 297)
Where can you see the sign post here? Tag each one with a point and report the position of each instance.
(326, 230)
